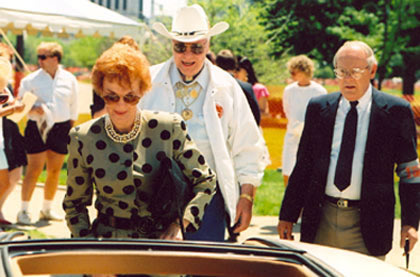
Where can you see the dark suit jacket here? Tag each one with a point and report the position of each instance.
(252, 100)
(391, 140)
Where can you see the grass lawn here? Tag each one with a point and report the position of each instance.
(270, 194)
(274, 140)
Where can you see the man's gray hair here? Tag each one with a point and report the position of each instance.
(371, 60)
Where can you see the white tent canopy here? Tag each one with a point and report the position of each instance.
(65, 17)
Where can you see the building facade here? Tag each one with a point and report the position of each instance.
(129, 8)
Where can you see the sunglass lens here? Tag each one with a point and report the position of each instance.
(3, 98)
(42, 57)
(180, 47)
(131, 99)
(111, 98)
(197, 48)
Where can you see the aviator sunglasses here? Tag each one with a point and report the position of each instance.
(196, 48)
(114, 98)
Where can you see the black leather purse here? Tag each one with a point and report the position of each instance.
(171, 193)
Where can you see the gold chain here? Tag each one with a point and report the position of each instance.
(182, 93)
(122, 138)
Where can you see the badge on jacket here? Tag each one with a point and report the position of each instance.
(219, 110)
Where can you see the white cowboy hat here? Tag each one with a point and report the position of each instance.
(190, 24)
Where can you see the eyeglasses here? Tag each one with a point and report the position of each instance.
(44, 57)
(196, 48)
(355, 73)
(4, 98)
(128, 98)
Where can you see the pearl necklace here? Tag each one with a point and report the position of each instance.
(122, 138)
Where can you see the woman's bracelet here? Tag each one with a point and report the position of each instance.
(247, 196)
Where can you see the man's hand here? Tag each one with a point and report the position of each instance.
(244, 208)
(244, 214)
(410, 233)
(284, 228)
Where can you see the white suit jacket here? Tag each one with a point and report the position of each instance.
(236, 142)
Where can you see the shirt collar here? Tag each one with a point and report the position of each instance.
(363, 101)
(202, 78)
(59, 68)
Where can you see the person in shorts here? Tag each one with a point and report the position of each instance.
(50, 121)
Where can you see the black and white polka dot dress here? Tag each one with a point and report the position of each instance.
(121, 174)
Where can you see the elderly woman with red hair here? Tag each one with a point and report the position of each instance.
(118, 156)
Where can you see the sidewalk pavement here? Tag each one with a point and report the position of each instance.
(261, 226)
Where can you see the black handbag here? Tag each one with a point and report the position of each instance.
(171, 193)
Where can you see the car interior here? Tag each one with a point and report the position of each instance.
(70, 257)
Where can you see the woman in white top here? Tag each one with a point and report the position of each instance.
(295, 99)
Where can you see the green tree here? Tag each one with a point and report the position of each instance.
(76, 52)
(400, 24)
(84, 52)
(245, 36)
(155, 47)
(318, 28)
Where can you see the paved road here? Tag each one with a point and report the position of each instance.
(261, 226)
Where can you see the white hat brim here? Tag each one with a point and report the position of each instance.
(218, 28)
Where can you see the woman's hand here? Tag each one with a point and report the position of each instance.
(172, 233)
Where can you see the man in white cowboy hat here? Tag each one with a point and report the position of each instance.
(218, 118)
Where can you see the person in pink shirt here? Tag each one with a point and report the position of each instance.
(246, 73)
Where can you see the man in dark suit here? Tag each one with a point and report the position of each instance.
(227, 61)
(344, 175)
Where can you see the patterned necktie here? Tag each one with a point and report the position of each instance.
(345, 158)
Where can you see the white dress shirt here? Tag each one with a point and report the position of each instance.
(363, 118)
(196, 125)
(58, 94)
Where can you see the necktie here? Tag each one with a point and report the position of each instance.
(345, 157)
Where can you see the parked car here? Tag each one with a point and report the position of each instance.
(255, 257)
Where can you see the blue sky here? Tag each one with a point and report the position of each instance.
(169, 7)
